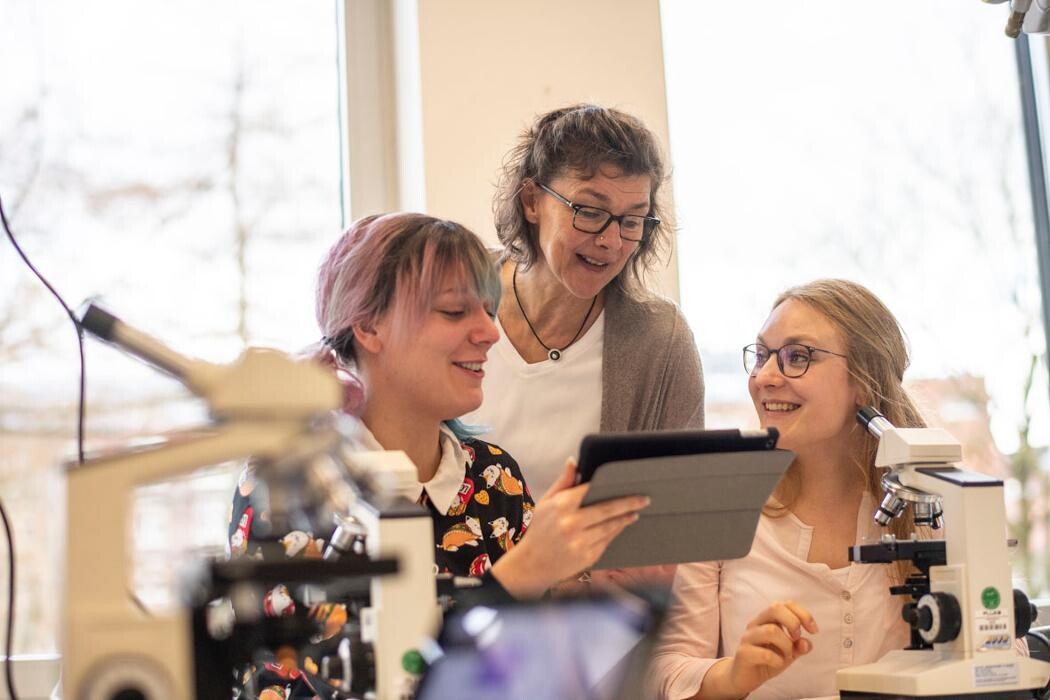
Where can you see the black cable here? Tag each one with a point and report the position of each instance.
(9, 634)
(9, 670)
(76, 324)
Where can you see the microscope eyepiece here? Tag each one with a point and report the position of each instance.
(97, 321)
(865, 415)
(874, 421)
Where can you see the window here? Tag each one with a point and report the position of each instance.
(183, 161)
(881, 144)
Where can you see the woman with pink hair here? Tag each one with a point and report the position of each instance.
(405, 304)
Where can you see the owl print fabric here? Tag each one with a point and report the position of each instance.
(488, 516)
(491, 512)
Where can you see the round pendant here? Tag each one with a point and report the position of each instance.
(554, 354)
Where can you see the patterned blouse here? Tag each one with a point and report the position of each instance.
(474, 525)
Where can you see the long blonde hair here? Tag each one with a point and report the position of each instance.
(876, 356)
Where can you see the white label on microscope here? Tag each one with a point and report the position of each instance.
(996, 674)
(992, 631)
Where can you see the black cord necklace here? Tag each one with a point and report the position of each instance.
(553, 353)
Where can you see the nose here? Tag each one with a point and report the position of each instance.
(768, 373)
(606, 239)
(484, 332)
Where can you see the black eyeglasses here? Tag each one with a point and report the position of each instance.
(593, 220)
(793, 359)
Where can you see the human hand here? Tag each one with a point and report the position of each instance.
(636, 577)
(564, 538)
(771, 642)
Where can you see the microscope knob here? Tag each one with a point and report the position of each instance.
(126, 677)
(939, 618)
(917, 618)
(1025, 613)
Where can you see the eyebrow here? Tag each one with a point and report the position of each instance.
(606, 201)
(793, 340)
(459, 294)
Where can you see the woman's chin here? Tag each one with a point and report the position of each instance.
(468, 405)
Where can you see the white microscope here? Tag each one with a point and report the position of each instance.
(279, 412)
(1029, 16)
(967, 614)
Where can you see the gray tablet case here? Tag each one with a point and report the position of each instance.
(705, 507)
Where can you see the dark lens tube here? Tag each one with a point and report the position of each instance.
(111, 329)
(874, 421)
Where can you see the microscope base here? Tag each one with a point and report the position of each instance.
(929, 673)
(1007, 695)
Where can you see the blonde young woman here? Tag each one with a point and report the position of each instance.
(779, 622)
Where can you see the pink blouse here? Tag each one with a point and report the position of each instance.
(858, 619)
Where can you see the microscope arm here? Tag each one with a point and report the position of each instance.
(196, 375)
(260, 384)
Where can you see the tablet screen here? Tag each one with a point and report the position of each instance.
(581, 648)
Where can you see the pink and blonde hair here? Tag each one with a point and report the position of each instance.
(392, 262)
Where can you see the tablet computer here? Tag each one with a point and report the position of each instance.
(707, 490)
(598, 448)
(595, 647)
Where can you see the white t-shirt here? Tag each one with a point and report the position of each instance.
(540, 412)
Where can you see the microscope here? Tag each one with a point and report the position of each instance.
(282, 414)
(964, 613)
(1029, 16)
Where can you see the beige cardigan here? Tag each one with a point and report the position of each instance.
(651, 373)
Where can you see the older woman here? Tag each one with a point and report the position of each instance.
(584, 347)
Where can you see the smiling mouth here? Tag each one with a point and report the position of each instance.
(591, 261)
(779, 406)
(470, 366)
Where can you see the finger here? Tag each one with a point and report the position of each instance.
(647, 574)
(569, 498)
(565, 480)
(775, 613)
(608, 583)
(761, 656)
(616, 576)
(603, 533)
(591, 544)
(803, 616)
(787, 614)
(794, 617)
(771, 636)
(803, 647)
(599, 512)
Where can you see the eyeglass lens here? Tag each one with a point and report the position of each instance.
(793, 359)
(593, 220)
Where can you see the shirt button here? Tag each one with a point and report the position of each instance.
(847, 643)
(848, 618)
(846, 595)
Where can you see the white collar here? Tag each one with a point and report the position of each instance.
(443, 487)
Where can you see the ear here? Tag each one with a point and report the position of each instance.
(860, 397)
(368, 338)
(529, 201)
